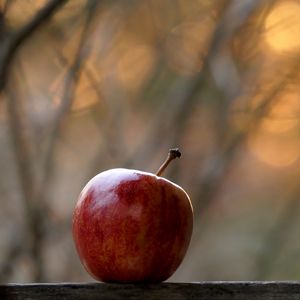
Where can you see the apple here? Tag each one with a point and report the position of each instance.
(132, 226)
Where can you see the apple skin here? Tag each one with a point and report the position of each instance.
(131, 226)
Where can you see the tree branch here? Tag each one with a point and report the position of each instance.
(12, 40)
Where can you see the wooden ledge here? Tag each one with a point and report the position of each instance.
(217, 290)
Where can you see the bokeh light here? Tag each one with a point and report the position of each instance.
(135, 64)
(282, 27)
(284, 113)
(278, 151)
(109, 84)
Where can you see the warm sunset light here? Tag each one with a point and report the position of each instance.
(135, 65)
(86, 93)
(96, 98)
(275, 150)
(282, 27)
(284, 114)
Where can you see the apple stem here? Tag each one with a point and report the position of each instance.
(173, 153)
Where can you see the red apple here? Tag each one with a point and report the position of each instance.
(132, 226)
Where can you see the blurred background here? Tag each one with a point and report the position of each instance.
(90, 85)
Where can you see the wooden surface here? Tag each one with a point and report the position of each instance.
(175, 291)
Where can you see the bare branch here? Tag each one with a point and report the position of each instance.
(70, 82)
(12, 40)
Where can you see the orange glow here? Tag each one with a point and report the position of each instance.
(20, 12)
(135, 65)
(282, 27)
(275, 150)
(276, 141)
(283, 115)
(85, 94)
